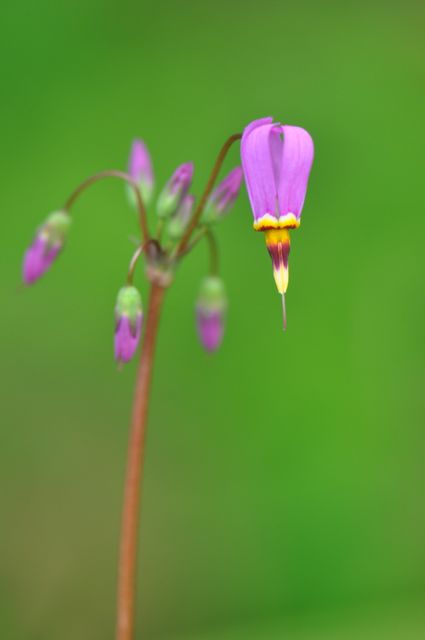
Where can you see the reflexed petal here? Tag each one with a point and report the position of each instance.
(260, 167)
(297, 158)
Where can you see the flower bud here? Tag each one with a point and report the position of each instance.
(47, 244)
(223, 197)
(210, 311)
(178, 223)
(140, 170)
(129, 319)
(175, 190)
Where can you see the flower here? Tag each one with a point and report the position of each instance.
(223, 197)
(276, 161)
(140, 170)
(175, 190)
(46, 246)
(210, 311)
(180, 219)
(129, 319)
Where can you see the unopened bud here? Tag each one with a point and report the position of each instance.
(47, 244)
(210, 311)
(129, 319)
(223, 197)
(140, 170)
(175, 190)
(178, 223)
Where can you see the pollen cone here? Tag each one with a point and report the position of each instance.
(278, 246)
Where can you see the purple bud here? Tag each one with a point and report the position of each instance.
(45, 247)
(175, 190)
(210, 328)
(140, 169)
(129, 319)
(223, 197)
(210, 311)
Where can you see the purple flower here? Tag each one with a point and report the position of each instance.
(223, 197)
(129, 320)
(276, 161)
(140, 169)
(45, 247)
(175, 190)
(210, 311)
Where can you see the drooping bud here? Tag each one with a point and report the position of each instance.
(178, 223)
(129, 319)
(46, 246)
(210, 312)
(223, 197)
(140, 170)
(175, 190)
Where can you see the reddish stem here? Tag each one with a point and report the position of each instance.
(209, 187)
(130, 517)
(112, 173)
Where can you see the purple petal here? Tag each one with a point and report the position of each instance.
(140, 166)
(127, 337)
(38, 258)
(260, 166)
(181, 178)
(297, 158)
(210, 328)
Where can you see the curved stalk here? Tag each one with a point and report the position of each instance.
(209, 187)
(134, 260)
(112, 173)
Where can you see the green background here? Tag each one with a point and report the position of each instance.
(284, 486)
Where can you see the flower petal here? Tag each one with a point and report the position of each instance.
(260, 162)
(297, 158)
(140, 165)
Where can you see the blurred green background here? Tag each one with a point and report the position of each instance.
(284, 488)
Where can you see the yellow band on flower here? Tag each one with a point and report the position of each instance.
(288, 221)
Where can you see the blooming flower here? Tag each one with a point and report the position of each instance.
(223, 197)
(129, 319)
(175, 190)
(140, 169)
(210, 310)
(46, 246)
(276, 161)
(179, 221)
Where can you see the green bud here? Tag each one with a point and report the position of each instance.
(56, 227)
(212, 295)
(129, 303)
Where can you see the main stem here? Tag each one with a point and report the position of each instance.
(130, 517)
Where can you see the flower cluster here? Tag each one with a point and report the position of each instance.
(276, 162)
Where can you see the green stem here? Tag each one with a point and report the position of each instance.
(213, 250)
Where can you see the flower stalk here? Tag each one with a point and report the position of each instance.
(193, 223)
(120, 175)
(136, 448)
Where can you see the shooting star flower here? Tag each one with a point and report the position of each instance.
(276, 161)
